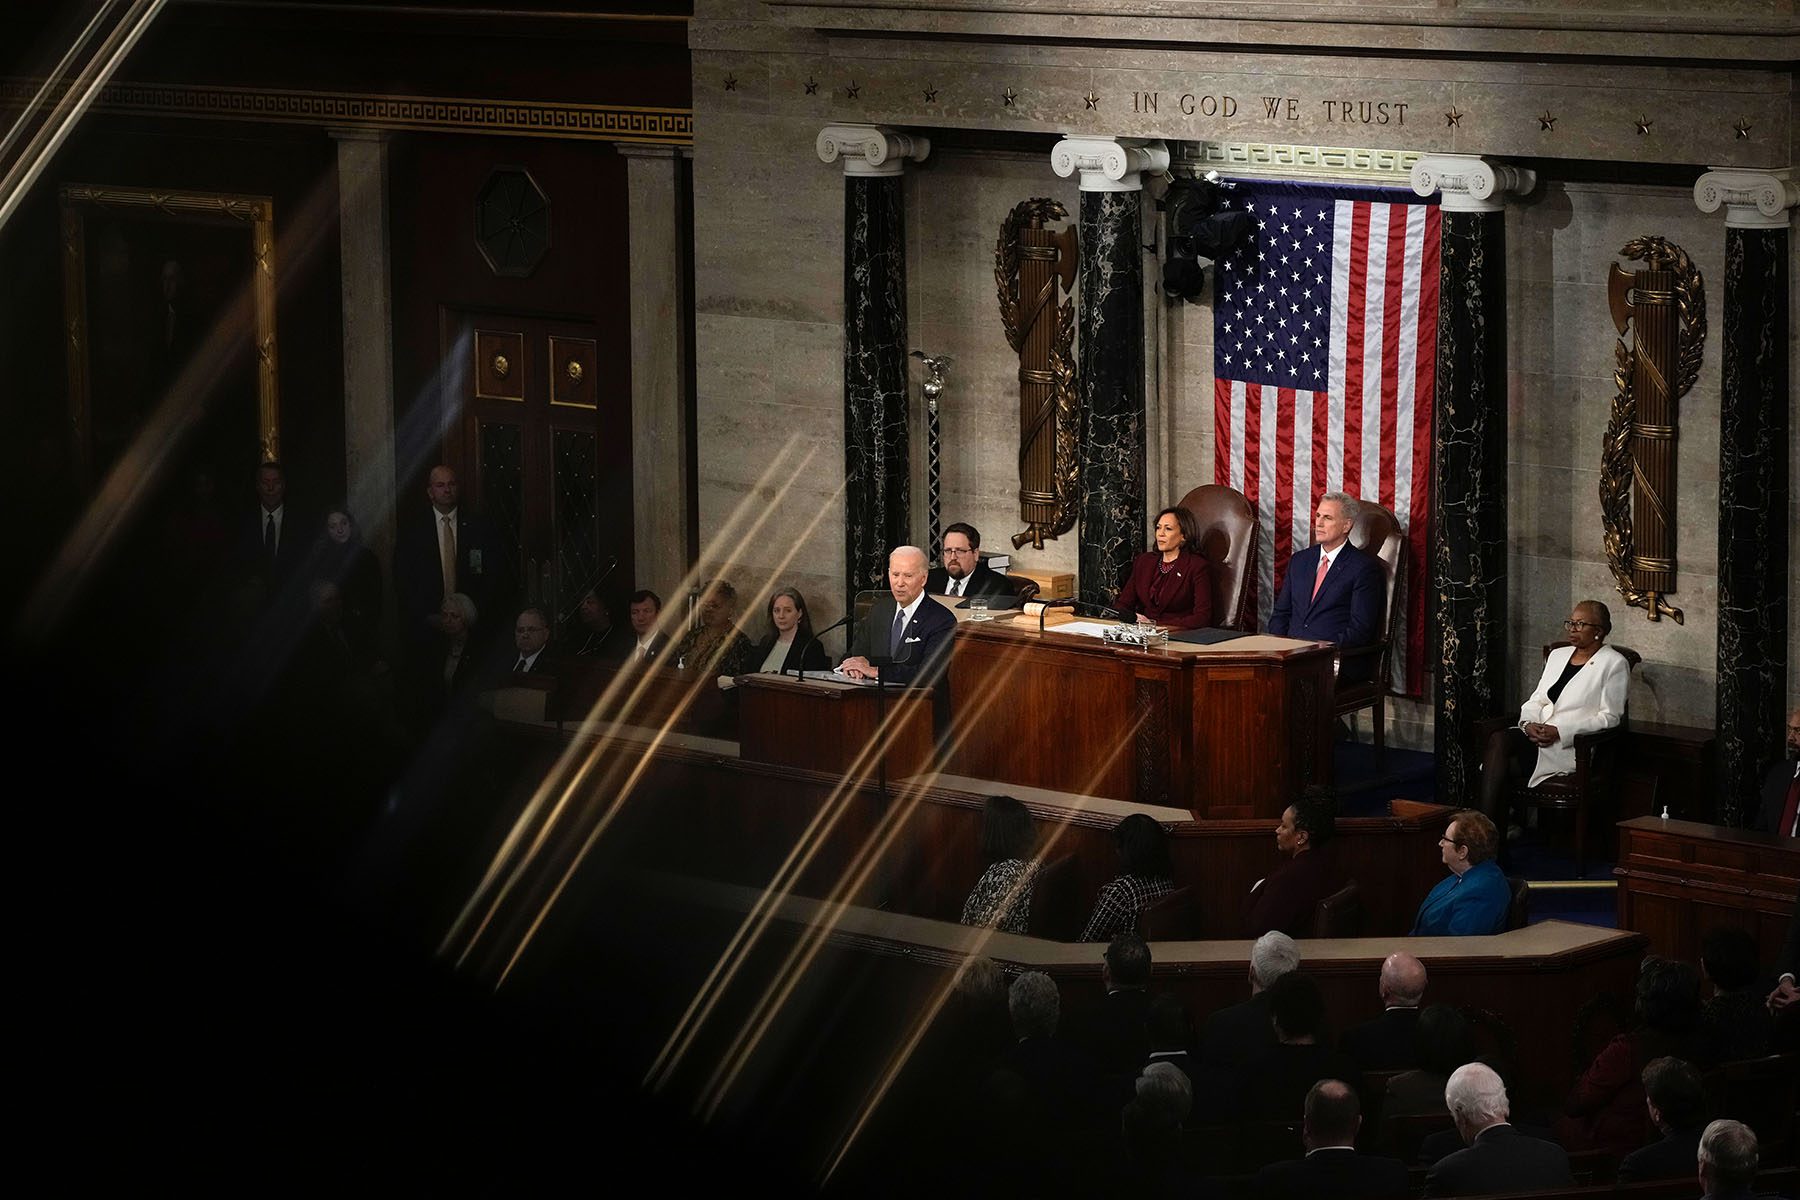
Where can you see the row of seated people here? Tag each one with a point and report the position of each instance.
(1222, 1101)
(1473, 899)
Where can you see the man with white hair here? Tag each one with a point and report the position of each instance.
(1390, 1041)
(905, 638)
(1234, 1037)
(1498, 1158)
(1728, 1157)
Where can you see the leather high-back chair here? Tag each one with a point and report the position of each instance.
(1376, 531)
(1023, 589)
(1228, 540)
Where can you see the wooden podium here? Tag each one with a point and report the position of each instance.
(823, 725)
(1230, 730)
(1677, 879)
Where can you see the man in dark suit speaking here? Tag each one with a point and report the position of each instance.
(906, 637)
(1333, 592)
(963, 573)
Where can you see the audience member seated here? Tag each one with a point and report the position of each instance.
(1169, 585)
(1332, 1169)
(715, 646)
(1605, 1109)
(1144, 875)
(963, 572)
(646, 643)
(1582, 690)
(1475, 898)
(1778, 810)
(790, 645)
(1002, 896)
(341, 557)
(1390, 1041)
(1058, 1078)
(1446, 1041)
(1736, 1022)
(1276, 1083)
(458, 669)
(1113, 1037)
(1676, 1102)
(1234, 1037)
(1171, 1032)
(1497, 1158)
(1727, 1161)
(591, 633)
(1286, 900)
(531, 639)
(1156, 1162)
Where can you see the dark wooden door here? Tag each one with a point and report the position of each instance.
(544, 451)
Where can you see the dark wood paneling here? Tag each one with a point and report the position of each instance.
(1677, 879)
(832, 728)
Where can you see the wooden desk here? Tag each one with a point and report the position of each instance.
(650, 695)
(825, 725)
(1234, 730)
(1677, 879)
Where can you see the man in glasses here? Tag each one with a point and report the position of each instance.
(1476, 896)
(963, 573)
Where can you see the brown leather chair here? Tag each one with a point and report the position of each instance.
(1599, 770)
(1023, 589)
(1055, 903)
(1518, 909)
(1228, 540)
(1376, 532)
(1171, 918)
(1339, 914)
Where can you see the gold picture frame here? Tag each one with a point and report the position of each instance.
(254, 214)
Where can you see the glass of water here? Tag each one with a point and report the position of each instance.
(978, 609)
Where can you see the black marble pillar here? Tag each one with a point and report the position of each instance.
(1753, 515)
(1111, 316)
(876, 461)
(1468, 494)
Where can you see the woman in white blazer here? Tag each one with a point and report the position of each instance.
(1582, 689)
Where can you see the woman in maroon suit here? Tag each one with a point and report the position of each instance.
(1170, 585)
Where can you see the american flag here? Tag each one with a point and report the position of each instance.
(1324, 357)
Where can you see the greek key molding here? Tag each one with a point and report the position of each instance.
(528, 118)
(1470, 184)
(1335, 162)
(1108, 164)
(1751, 199)
(871, 150)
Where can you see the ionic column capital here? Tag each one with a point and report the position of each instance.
(1468, 183)
(1108, 164)
(871, 150)
(1751, 199)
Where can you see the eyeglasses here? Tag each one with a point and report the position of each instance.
(959, 550)
(1444, 841)
(1573, 625)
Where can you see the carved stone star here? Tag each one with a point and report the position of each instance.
(850, 92)
(1643, 125)
(1008, 96)
(1742, 127)
(812, 86)
(1453, 119)
(930, 95)
(1093, 101)
(1547, 123)
(731, 83)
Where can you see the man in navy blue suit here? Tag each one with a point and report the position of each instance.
(1333, 591)
(905, 639)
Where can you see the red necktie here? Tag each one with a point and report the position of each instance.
(1790, 810)
(1319, 582)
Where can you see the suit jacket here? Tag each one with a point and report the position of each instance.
(1234, 1037)
(1671, 1158)
(1347, 611)
(621, 647)
(1594, 699)
(1333, 1173)
(298, 535)
(1501, 1160)
(925, 643)
(1287, 899)
(483, 573)
(800, 655)
(982, 582)
(1774, 796)
(1113, 1037)
(1185, 601)
(1388, 1043)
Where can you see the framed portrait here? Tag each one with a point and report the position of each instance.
(169, 314)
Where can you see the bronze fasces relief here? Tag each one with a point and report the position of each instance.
(1663, 306)
(1034, 271)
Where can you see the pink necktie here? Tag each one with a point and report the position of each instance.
(1319, 582)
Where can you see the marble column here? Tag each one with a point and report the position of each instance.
(1110, 348)
(1468, 488)
(1753, 477)
(877, 459)
(657, 197)
(366, 279)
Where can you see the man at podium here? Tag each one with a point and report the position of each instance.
(905, 639)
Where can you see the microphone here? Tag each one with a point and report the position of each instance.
(1044, 607)
(800, 671)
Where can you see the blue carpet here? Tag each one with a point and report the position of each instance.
(1364, 786)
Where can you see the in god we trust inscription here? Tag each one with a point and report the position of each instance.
(1336, 110)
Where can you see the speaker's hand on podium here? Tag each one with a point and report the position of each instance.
(858, 667)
